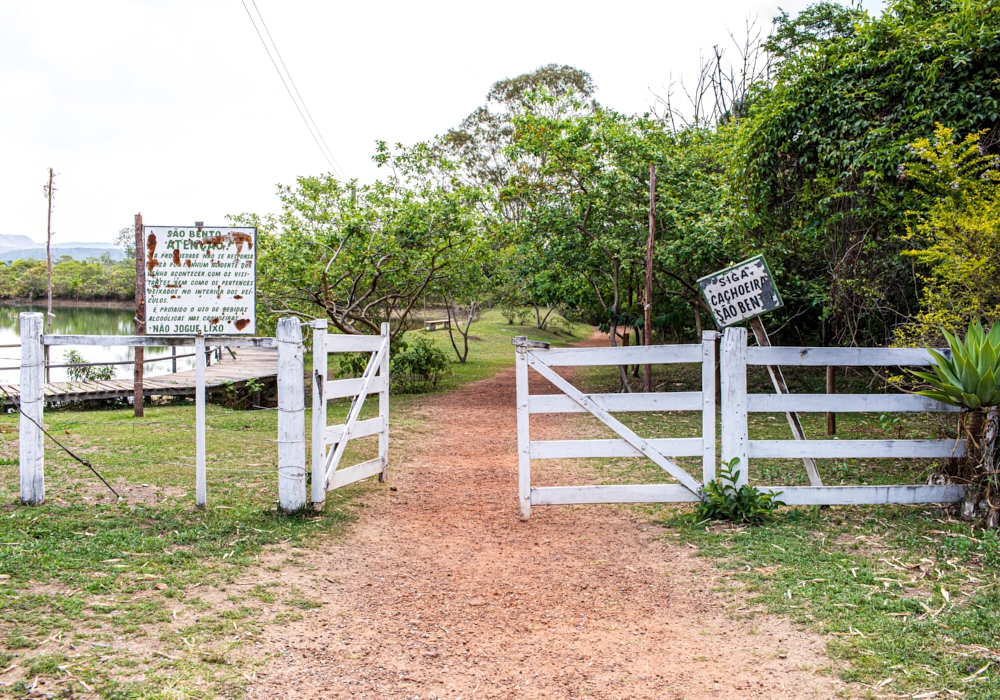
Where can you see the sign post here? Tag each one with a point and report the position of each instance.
(744, 292)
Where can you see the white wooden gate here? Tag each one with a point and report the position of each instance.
(737, 404)
(330, 441)
(539, 357)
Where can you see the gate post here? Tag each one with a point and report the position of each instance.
(319, 413)
(291, 417)
(32, 402)
(734, 400)
(383, 408)
(523, 434)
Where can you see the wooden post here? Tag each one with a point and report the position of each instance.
(708, 343)
(140, 313)
(778, 379)
(735, 434)
(647, 370)
(173, 359)
(291, 417)
(49, 190)
(319, 413)
(31, 451)
(201, 480)
(831, 388)
(383, 408)
(523, 433)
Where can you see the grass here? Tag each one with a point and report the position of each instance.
(143, 597)
(906, 596)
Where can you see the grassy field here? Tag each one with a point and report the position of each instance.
(145, 596)
(907, 596)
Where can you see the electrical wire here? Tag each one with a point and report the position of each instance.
(81, 460)
(313, 129)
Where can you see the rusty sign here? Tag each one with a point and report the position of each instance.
(201, 280)
(742, 291)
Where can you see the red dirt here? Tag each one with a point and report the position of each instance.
(442, 592)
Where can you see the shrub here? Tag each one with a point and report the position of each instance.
(721, 500)
(969, 378)
(416, 367)
(86, 374)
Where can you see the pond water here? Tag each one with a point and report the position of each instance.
(82, 320)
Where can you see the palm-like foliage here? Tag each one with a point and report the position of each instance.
(970, 377)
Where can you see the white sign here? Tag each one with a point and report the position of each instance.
(201, 280)
(740, 292)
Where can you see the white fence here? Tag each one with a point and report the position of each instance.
(542, 359)
(32, 398)
(330, 441)
(737, 404)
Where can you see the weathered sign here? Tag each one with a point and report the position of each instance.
(201, 280)
(740, 292)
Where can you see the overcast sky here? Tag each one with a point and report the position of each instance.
(174, 109)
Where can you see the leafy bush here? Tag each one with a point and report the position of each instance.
(969, 378)
(721, 500)
(417, 366)
(86, 374)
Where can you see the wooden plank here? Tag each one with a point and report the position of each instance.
(363, 428)
(523, 433)
(348, 475)
(343, 388)
(572, 449)
(352, 343)
(845, 403)
(708, 342)
(855, 357)
(734, 404)
(319, 441)
(866, 495)
(632, 355)
(656, 401)
(631, 493)
(849, 449)
(156, 341)
(639, 443)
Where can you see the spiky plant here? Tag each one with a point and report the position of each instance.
(971, 378)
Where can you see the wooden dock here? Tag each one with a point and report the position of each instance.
(249, 363)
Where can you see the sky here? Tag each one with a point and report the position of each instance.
(173, 108)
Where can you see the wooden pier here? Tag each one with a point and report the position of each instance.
(249, 363)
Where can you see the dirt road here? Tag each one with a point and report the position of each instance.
(441, 592)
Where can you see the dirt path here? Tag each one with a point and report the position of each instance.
(441, 592)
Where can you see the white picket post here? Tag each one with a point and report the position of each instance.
(708, 341)
(735, 437)
(383, 409)
(32, 402)
(523, 434)
(319, 412)
(200, 478)
(291, 417)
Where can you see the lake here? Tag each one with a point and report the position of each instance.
(81, 320)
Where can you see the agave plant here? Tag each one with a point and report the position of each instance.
(971, 378)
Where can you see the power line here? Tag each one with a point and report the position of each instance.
(314, 131)
(295, 87)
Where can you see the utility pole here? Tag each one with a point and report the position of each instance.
(49, 190)
(647, 370)
(140, 313)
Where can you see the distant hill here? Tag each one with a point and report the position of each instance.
(11, 241)
(75, 251)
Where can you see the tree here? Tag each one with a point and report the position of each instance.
(359, 255)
